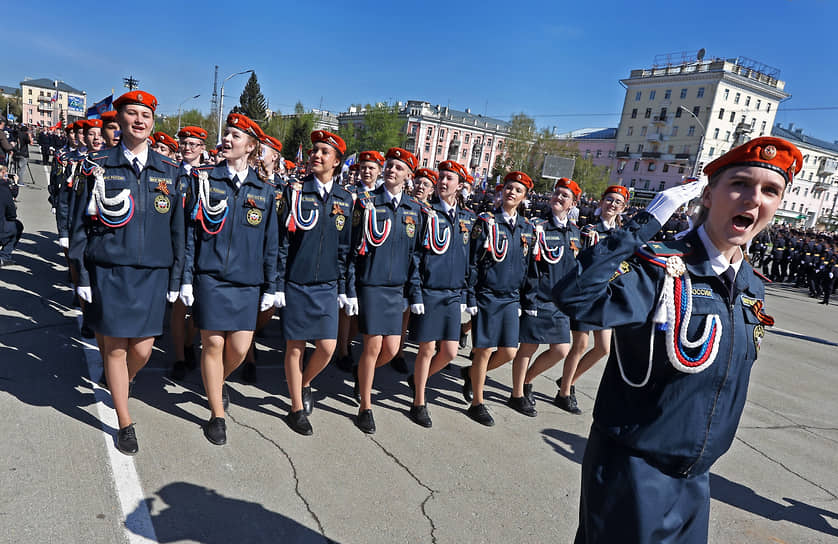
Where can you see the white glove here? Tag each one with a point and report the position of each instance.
(351, 306)
(85, 293)
(342, 301)
(171, 296)
(279, 299)
(462, 308)
(417, 309)
(666, 202)
(472, 310)
(186, 295)
(52, 211)
(519, 312)
(64, 242)
(533, 313)
(405, 304)
(267, 302)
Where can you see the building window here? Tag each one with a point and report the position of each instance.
(643, 131)
(661, 185)
(753, 122)
(651, 167)
(691, 131)
(611, 155)
(793, 204)
(486, 158)
(430, 132)
(683, 93)
(727, 93)
(646, 184)
(716, 134)
(686, 149)
(632, 182)
(626, 149)
(468, 137)
(712, 151)
(736, 98)
(667, 94)
(640, 148)
(427, 148)
(634, 113)
(30, 91)
(587, 153)
(762, 129)
(747, 100)
(675, 131)
(598, 153)
(721, 113)
(439, 150)
(636, 166)
(732, 116)
(441, 133)
(700, 93)
(696, 110)
(768, 106)
(665, 167)
(678, 113)
(652, 95)
(662, 115)
(648, 113)
(681, 170)
(637, 96)
(759, 103)
(629, 131)
(727, 135)
(425, 162)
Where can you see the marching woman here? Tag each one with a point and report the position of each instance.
(554, 255)
(500, 254)
(230, 269)
(128, 246)
(315, 237)
(688, 320)
(164, 144)
(444, 270)
(387, 223)
(613, 203)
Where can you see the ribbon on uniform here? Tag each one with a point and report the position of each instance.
(115, 211)
(295, 218)
(210, 216)
(494, 244)
(542, 250)
(372, 234)
(437, 239)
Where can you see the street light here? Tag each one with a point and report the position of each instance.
(700, 141)
(221, 102)
(181, 105)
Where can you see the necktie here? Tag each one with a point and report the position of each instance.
(452, 214)
(395, 203)
(728, 278)
(137, 169)
(511, 223)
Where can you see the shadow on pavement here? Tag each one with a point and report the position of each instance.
(797, 512)
(569, 445)
(196, 513)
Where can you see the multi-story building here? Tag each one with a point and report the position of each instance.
(685, 111)
(323, 120)
(813, 197)
(439, 133)
(597, 144)
(45, 101)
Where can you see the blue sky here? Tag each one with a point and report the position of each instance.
(559, 62)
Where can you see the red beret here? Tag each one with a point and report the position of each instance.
(289, 165)
(192, 132)
(403, 155)
(427, 173)
(766, 152)
(455, 167)
(499, 187)
(272, 142)
(70, 128)
(469, 179)
(619, 189)
(91, 123)
(245, 124)
(109, 117)
(328, 138)
(519, 177)
(136, 97)
(165, 139)
(354, 166)
(371, 156)
(78, 125)
(568, 184)
(213, 152)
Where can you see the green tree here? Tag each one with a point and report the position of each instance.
(350, 134)
(298, 132)
(591, 178)
(383, 128)
(13, 105)
(193, 117)
(519, 144)
(252, 102)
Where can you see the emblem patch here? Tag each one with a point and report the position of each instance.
(162, 204)
(410, 229)
(340, 221)
(475, 232)
(465, 238)
(254, 216)
(759, 332)
(624, 268)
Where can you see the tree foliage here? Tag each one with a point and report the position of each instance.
(381, 129)
(252, 102)
(13, 104)
(298, 132)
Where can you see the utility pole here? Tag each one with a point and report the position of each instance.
(130, 83)
(214, 100)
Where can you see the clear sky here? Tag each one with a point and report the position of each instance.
(557, 61)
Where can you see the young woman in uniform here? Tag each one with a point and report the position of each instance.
(231, 255)
(688, 320)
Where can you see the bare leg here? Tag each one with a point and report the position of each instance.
(323, 351)
(546, 361)
(478, 373)
(519, 368)
(212, 369)
(294, 351)
(602, 347)
(577, 349)
(235, 348)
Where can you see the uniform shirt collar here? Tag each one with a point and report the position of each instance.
(142, 156)
(187, 167)
(447, 207)
(323, 188)
(239, 177)
(507, 217)
(391, 196)
(718, 262)
(559, 223)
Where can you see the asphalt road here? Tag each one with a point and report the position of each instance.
(62, 480)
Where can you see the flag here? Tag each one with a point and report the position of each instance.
(55, 126)
(55, 96)
(97, 109)
(299, 158)
(351, 160)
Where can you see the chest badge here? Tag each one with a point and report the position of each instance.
(410, 227)
(254, 216)
(759, 332)
(162, 204)
(340, 221)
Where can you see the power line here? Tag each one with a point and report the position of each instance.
(600, 114)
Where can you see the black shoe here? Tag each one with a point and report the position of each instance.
(86, 331)
(521, 405)
(399, 365)
(345, 363)
(126, 440)
(307, 403)
(189, 357)
(568, 403)
(356, 391)
(481, 415)
(249, 372)
(225, 398)
(299, 422)
(467, 392)
(420, 416)
(179, 370)
(528, 393)
(572, 387)
(365, 422)
(216, 431)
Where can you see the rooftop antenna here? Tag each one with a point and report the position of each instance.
(214, 99)
(700, 54)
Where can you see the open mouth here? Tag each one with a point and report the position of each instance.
(743, 221)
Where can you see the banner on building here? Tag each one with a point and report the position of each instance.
(75, 105)
(556, 167)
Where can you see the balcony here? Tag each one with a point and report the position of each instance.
(623, 154)
(45, 106)
(659, 120)
(651, 154)
(682, 156)
(656, 138)
(828, 167)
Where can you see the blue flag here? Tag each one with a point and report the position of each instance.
(97, 109)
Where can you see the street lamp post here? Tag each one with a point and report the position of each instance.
(180, 106)
(700, 140)
(221, 101)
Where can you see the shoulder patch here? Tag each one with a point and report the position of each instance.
(624, 268)
(669, 249)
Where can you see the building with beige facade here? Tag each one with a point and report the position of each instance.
(687, 110)
(45, 101)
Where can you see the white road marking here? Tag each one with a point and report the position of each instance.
(138, 526)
